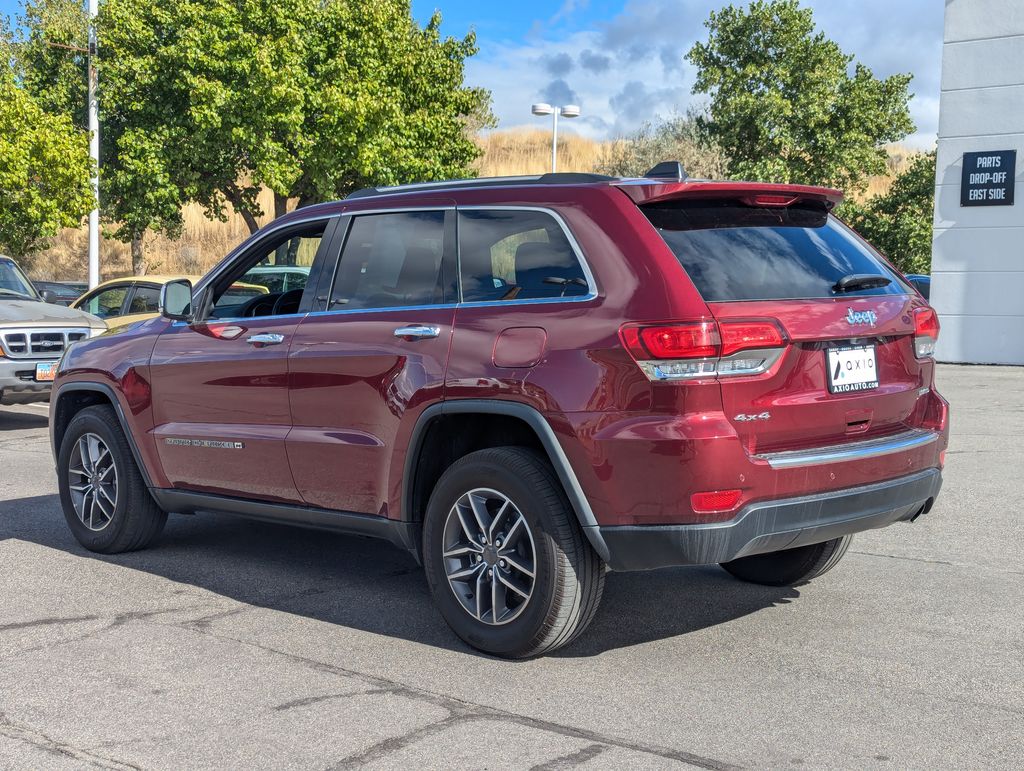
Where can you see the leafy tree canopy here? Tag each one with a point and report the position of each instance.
(44, 170)
(311, 98)
(899, 222)
(785, 104)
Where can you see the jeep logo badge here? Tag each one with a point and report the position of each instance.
(860, 317)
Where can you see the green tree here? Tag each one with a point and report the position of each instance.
(51, 59)
(676, 139)
(44, 170)
(784, 103)
(899, 222)
(310, 98)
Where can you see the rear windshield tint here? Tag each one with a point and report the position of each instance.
(732, 251)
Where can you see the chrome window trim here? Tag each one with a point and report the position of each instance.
(573, 243)
(591, 295)
(871, 448)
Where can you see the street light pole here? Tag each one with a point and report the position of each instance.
(94, 152)
(569, 111)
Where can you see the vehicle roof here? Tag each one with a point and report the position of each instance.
(147, 279)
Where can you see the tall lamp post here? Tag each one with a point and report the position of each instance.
(94, 153)
(568, 111)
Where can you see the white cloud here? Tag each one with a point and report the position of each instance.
(630, 69)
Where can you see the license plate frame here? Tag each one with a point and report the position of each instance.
(851, 368)
(46, 371)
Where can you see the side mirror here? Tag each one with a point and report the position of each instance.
(922, 284)
(176, 300)
(48, 296)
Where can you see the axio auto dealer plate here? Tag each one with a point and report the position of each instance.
(46, 371)
(852, 368)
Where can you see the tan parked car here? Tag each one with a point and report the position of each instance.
(33, 336)
(123, 301)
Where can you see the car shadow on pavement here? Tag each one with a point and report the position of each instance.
(11, 420)
(370, 585)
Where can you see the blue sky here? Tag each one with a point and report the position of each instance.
(621, 60)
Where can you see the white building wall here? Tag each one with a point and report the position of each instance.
(978, 252)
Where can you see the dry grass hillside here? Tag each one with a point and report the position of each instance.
(203, 242)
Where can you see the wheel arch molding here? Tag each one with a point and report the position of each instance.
(61, 417)
(540, 429)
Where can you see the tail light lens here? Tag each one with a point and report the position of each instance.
(926, 332)
(701, 349)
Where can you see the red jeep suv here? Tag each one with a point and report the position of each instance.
(523, 382)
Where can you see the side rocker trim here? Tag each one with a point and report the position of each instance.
(546, 435)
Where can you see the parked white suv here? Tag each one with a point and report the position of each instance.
(33, 336)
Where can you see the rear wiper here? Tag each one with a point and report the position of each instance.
(856, 281)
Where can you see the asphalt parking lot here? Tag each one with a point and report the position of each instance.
(236, 644)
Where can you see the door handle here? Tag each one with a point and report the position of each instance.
(264, 339)
(418, 331)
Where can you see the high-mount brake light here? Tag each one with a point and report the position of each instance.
(926, 332)
(766, 199)
(703, 349)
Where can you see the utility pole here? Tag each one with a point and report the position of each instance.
(94, 152)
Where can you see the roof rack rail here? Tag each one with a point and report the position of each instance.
(553, 178)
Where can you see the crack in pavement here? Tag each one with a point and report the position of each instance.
(573, 759)
(53, 621)
(460, 710)
(41, 741)
(899, 557)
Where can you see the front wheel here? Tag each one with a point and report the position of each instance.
(790, 566)
(104, 497)
(506, 560)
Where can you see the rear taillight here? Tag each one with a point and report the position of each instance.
(701, 349)
(926, 332)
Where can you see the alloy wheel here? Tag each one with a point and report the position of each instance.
(92, 480)
(489, 556)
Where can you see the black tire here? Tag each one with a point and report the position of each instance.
(791, 566)
(569, 576)
(135, 520)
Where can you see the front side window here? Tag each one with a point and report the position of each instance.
(269, 280)
(107, 302)
(516, 255)
(391, 261)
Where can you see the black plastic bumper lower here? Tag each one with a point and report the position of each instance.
(773, 525)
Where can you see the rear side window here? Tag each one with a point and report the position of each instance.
(509, 254)
(732, 251)
(391, 261)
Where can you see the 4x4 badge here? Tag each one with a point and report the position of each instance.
(760, 416)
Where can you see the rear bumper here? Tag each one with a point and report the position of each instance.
(773, 525)
(14, 389)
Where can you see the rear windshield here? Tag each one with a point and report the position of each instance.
(732, 251)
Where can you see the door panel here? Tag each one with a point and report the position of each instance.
(221, 407)
(356, 386)
(353, 386)
(220, 388)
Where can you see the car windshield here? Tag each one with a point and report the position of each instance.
(14, 284)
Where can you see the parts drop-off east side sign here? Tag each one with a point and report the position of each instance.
(988, 178)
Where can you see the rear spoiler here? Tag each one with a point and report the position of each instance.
(644, 191)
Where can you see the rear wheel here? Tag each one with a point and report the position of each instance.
(105, 500)
(506, 560)
(791, 566)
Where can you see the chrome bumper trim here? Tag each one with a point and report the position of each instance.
(870, 448)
